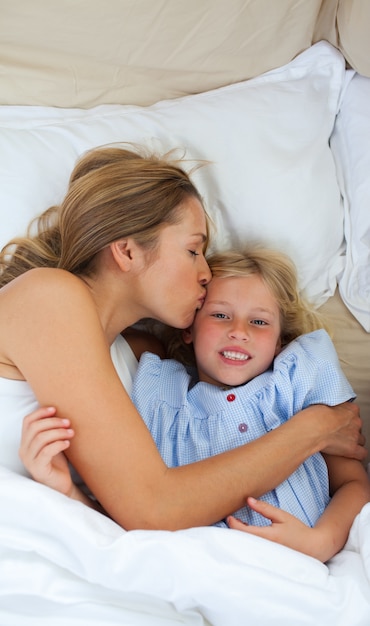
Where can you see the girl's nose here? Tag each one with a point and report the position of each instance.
(239, 331)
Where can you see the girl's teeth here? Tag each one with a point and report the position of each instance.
(236, 356)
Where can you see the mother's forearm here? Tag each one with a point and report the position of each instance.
(202, 493)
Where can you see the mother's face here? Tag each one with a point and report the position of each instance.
(174, 282)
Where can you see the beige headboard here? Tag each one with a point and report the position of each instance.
(83, 53)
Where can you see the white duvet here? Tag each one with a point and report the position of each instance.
(64, 564)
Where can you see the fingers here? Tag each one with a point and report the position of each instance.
(50, 450)
(41, 420)
(359, 453)
(44, 433)
(267, 510)
(236, 524)
(52, 434)
(258, 531)
(45, 411)
(40, 432)
(347, 440)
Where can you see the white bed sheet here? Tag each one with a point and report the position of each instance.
(64, 564)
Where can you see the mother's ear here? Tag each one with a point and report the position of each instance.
(122, 253)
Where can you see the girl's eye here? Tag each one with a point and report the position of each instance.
(259, 322)
(193, 253)
(220, 316)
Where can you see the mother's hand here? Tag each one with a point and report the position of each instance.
(347, 440)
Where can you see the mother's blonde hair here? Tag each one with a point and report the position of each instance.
(278, 272)
(113, 193)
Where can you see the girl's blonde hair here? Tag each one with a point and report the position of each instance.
(113, 193)
(278, 272)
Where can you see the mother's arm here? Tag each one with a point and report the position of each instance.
(58, 344)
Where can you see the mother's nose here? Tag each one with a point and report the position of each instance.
(205, 273)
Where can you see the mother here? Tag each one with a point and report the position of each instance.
(128, 243)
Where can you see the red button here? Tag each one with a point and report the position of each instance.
(243, 427)
(230, 397)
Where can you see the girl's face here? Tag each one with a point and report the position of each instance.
(174, 282)
(236, 334)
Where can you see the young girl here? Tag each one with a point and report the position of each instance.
(259, 359)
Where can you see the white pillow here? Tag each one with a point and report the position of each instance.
(351, 148)
(272, 173)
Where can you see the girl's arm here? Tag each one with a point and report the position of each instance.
(61, 350)
(350, 490)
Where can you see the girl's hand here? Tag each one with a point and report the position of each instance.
(284, 529)
(44, 438)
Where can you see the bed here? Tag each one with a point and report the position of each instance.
(273, 99)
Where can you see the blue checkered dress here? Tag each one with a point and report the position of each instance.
(190, 422)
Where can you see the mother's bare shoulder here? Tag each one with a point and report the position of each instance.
(43, 303)
(44, 284)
